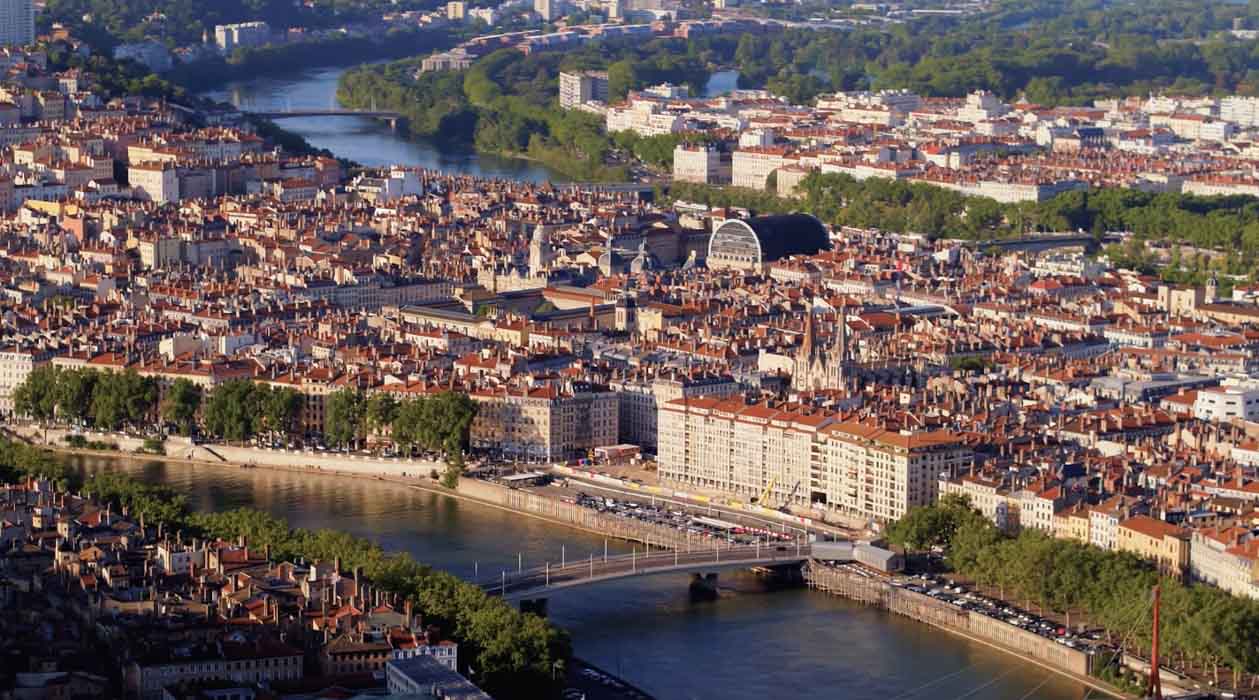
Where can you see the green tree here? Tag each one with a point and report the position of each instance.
(344, 417)
(74, 393)
(36, 396)
(180, 405)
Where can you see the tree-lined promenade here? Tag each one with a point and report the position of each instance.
(1205, 631)
(241, 410)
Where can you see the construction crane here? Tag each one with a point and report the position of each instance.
(786, 506)
(765, 493)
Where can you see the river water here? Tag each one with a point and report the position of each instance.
(362, 140)
(371, 142)
(752, 644)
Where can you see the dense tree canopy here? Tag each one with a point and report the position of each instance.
(1201, 624)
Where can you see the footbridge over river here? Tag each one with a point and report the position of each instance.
(536, 582)
(393, 118)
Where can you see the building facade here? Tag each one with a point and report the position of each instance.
(577, 89)
(790, 458)
(17, 22)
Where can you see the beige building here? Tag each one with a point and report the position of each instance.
(546, 423)
(794, 458)
(154, 182)
(1226, 557)
(751, 167)
(701, 163)
(1010, 509)
(640, 402)
(1073, 524)
(1160, 542)
(15, 366)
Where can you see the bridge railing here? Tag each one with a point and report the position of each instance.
(567, 573)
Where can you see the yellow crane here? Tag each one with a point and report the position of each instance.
(765, 493)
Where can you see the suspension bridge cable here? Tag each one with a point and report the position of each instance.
(935, 682)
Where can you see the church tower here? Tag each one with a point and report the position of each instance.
(540, 251)
(817, 367)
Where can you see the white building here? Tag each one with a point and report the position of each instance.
(245, 35)
(17, 22)
(15, 366)
(705, 164)
(797, 459)
(154, 182)
(1225, 558)
(577, 89)
(644, 117)
(1225, 404)
(751, 167)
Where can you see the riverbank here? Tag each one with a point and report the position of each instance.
(1075, 664)
(288, 59)
(419, 475)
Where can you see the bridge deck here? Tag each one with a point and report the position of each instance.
(538, 580)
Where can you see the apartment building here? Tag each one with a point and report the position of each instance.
(1158, 541)
(229, 37)
(17, 22)
(640, 401)
(644, 117)
(702, 163)
(1011, 509)
(751, 167)
(803, 459)
(15, 366)
(154, 182)
(1226, 404)
(577, 89)
(1226, 557)
(546, 423)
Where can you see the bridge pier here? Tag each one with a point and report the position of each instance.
(537, 606)
(703, 586)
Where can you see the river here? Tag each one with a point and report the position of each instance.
(371, 142)
(362, 140)
(752, 644)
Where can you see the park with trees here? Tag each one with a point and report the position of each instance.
(1205, 631)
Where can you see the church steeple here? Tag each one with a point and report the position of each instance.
(809, 341)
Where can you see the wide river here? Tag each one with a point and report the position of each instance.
(751, 644)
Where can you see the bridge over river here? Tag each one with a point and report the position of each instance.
(393, 118)
(537, 581)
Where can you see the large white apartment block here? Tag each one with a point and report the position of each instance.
(751, 167)
(154, 182)
(644, 117)
(17, 22)
(15, 366)
(577, 89)
(1243, 111)
(229, 37)
(1225, 404)
(856, 468)
(701, 163)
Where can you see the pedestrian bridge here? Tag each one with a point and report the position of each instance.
(290, 113)
(540, 580)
